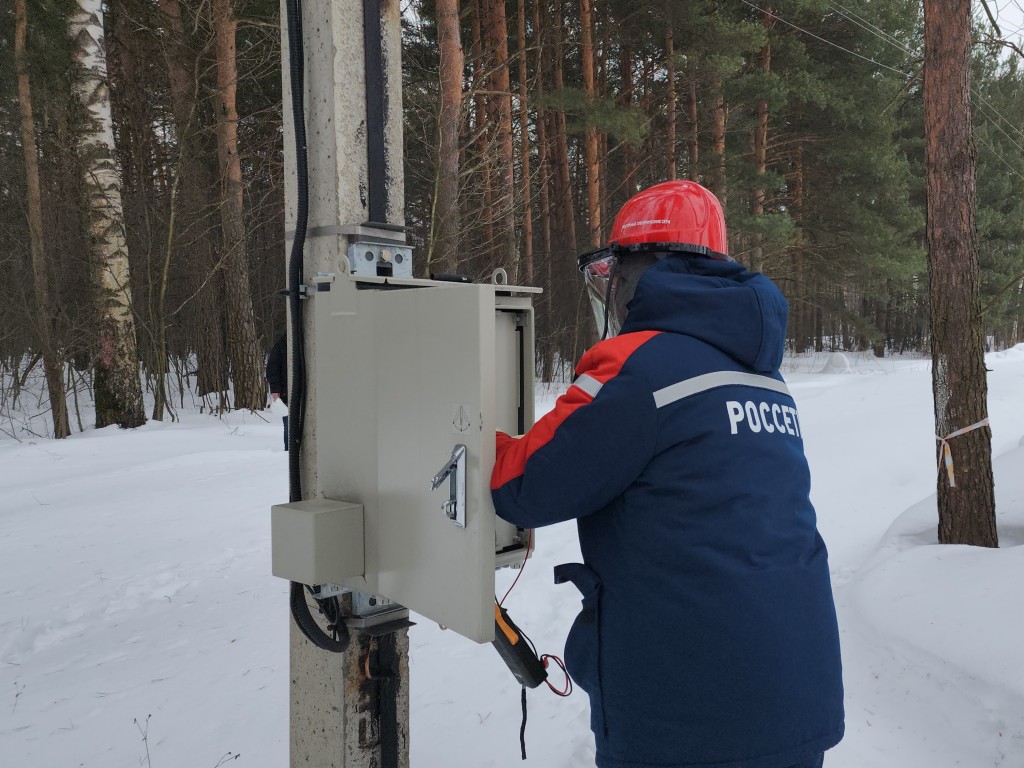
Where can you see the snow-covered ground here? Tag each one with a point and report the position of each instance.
(140, 625)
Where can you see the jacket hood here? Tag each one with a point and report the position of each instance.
(719, 302)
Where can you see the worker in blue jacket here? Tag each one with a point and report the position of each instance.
(708, 633)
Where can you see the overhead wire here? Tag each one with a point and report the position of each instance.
(1000, 128)
(979, 99)
(867, 25)
(822, 39)
(999, 157)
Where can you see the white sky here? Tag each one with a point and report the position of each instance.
(1009, 15)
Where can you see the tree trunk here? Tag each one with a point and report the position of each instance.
(545, 347)
(591, 145)
(500, 102)
(967, 512)
(803, 331)
(670, 107)
(446, 210)
(1015, 334)
(719, 118)
(603, 24)
(53, 363)
(484, 132)
(524, 145)
(693, 156)
(564, 279)
(194, 239)
(118, 389)
(243, 345)
(759, 143)
(566, 222)
(543, 146)
(144, 193)
(626, 100)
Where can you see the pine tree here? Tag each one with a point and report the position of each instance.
(53, 363)
(967, 512)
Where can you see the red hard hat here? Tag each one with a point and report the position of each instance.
(680, 213)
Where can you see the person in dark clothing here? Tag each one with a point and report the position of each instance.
(708, 633)
(277, 377)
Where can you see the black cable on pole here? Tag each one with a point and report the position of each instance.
(389, 685)
(376, 111)
(375, 79)
(335, 642)
(297, 388)
(338, 640)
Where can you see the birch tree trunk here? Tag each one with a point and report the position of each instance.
(446, 213)
(118, 390)
(967, 513)
(53, 363)
(244, 349)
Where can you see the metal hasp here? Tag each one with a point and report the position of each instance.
(455, 472)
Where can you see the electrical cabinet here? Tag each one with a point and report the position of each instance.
(408, 381)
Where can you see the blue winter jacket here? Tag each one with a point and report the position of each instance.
(708, 633)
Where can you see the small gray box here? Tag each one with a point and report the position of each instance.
(318, 541)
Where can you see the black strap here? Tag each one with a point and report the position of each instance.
(522, 728)
(582, 576)
(387, 657)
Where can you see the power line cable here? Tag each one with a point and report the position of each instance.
(822, 39)
(866, 24)
(1000, 157)
(979, 98)
(1000, 129)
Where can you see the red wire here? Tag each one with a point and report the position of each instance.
(546, 656)
(561, 664)
(529, 543)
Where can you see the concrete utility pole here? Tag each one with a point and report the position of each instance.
(353, 110)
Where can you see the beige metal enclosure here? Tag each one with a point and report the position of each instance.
(411, 379)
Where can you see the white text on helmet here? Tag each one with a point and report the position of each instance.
(647, 221)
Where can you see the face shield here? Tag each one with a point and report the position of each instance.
(611, 275)
(597, 276)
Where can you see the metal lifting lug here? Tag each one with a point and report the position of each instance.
(454, 471)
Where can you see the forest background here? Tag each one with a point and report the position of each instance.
(804, 117)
